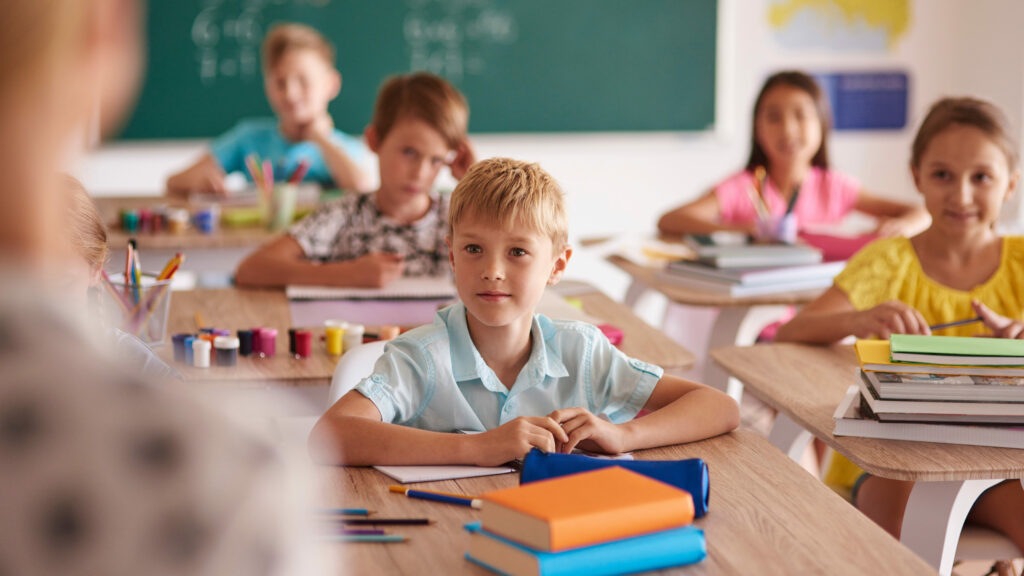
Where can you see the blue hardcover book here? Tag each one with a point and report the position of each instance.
(654, 551)
(690, 475)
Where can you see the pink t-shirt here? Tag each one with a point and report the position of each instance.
(825, 196)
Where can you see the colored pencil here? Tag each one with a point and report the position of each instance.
(347, 511)
(957, 323)
(367, 532)
(387, 521)
(252, 165)
(792, 199)
(300, 172)
(199, 320)
(366, 538)
(438, 496)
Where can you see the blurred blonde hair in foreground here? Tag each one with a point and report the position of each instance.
(103, 472)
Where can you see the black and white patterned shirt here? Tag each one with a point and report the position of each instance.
(102, 472)
(353, 226)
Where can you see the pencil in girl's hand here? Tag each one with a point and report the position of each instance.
(300, 172)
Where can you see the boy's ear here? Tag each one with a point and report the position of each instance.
(335, 83)
(559, 266)
(915, 172)
(451, 253)
(372, 140)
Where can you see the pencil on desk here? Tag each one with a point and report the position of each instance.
(438, 496)
(387, 521)
(347, 511)
(366, 532)
(366, 538)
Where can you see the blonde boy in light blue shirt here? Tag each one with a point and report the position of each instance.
(491, 364)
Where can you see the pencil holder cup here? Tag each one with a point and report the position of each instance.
(139, 310)
(781, 228)
(282, 206)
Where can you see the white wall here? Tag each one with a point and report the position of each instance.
(621, 182)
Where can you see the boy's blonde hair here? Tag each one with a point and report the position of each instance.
(427, 97)
(86, 231)
(284, 37)
(512, 192)
(973, 112)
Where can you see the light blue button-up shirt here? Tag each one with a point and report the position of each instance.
(434, 378)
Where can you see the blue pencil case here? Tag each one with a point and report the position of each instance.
(690, 475)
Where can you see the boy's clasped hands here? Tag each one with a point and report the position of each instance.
(560, 431)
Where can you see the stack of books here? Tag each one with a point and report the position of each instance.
(937, 389)
(751, 269)
(602, 522)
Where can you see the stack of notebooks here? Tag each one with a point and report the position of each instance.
(937, 389)
(740, 270)
(603, 522)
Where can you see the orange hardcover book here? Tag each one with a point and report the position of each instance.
(585, 509)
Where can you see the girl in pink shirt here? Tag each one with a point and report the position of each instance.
(790, 144)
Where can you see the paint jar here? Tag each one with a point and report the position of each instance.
(177, 220)
(129, 221)
(303, 343)
(268, 342)
(334, 330)
(179, 346)
(207, 218)
(138, 309)
(282, 206)
(353, 336)
(245, 340)
(188, 349)
(201, 353)
(227, 350)
(387, 333)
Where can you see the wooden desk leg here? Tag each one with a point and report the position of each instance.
(935, 517)
(789, 437)
(736, 326)
(633, 293)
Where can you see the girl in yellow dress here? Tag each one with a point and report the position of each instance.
(964, 164)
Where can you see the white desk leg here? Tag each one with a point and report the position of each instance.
(935, 517)
(736, 326)
(633, 293)
(789, 437)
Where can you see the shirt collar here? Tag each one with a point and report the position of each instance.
(467, 364)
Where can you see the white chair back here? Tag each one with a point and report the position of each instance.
(353, 366)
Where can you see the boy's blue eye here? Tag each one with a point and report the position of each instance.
(473, 249)
(518, 252)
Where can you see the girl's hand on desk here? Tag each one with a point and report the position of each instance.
(893, 317)
(1001, 326)
(377, 269)
(589, 432)
(514, 439)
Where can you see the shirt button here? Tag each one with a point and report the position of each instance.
(379, 379)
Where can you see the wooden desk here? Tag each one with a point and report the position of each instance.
(806, 383)
(207, 254)
(235, 308)
(739, 320)
(767, 516)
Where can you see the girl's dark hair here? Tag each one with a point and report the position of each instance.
(800, 81)
(973, 112)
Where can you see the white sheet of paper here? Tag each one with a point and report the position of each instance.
(407, 474)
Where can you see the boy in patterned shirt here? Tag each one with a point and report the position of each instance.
(368, 240)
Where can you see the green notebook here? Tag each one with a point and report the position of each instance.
(956, 350)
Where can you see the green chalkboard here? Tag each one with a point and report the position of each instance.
(524, 65)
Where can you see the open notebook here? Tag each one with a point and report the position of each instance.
(413, 288)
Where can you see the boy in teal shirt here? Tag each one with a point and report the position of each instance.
(300, 81)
